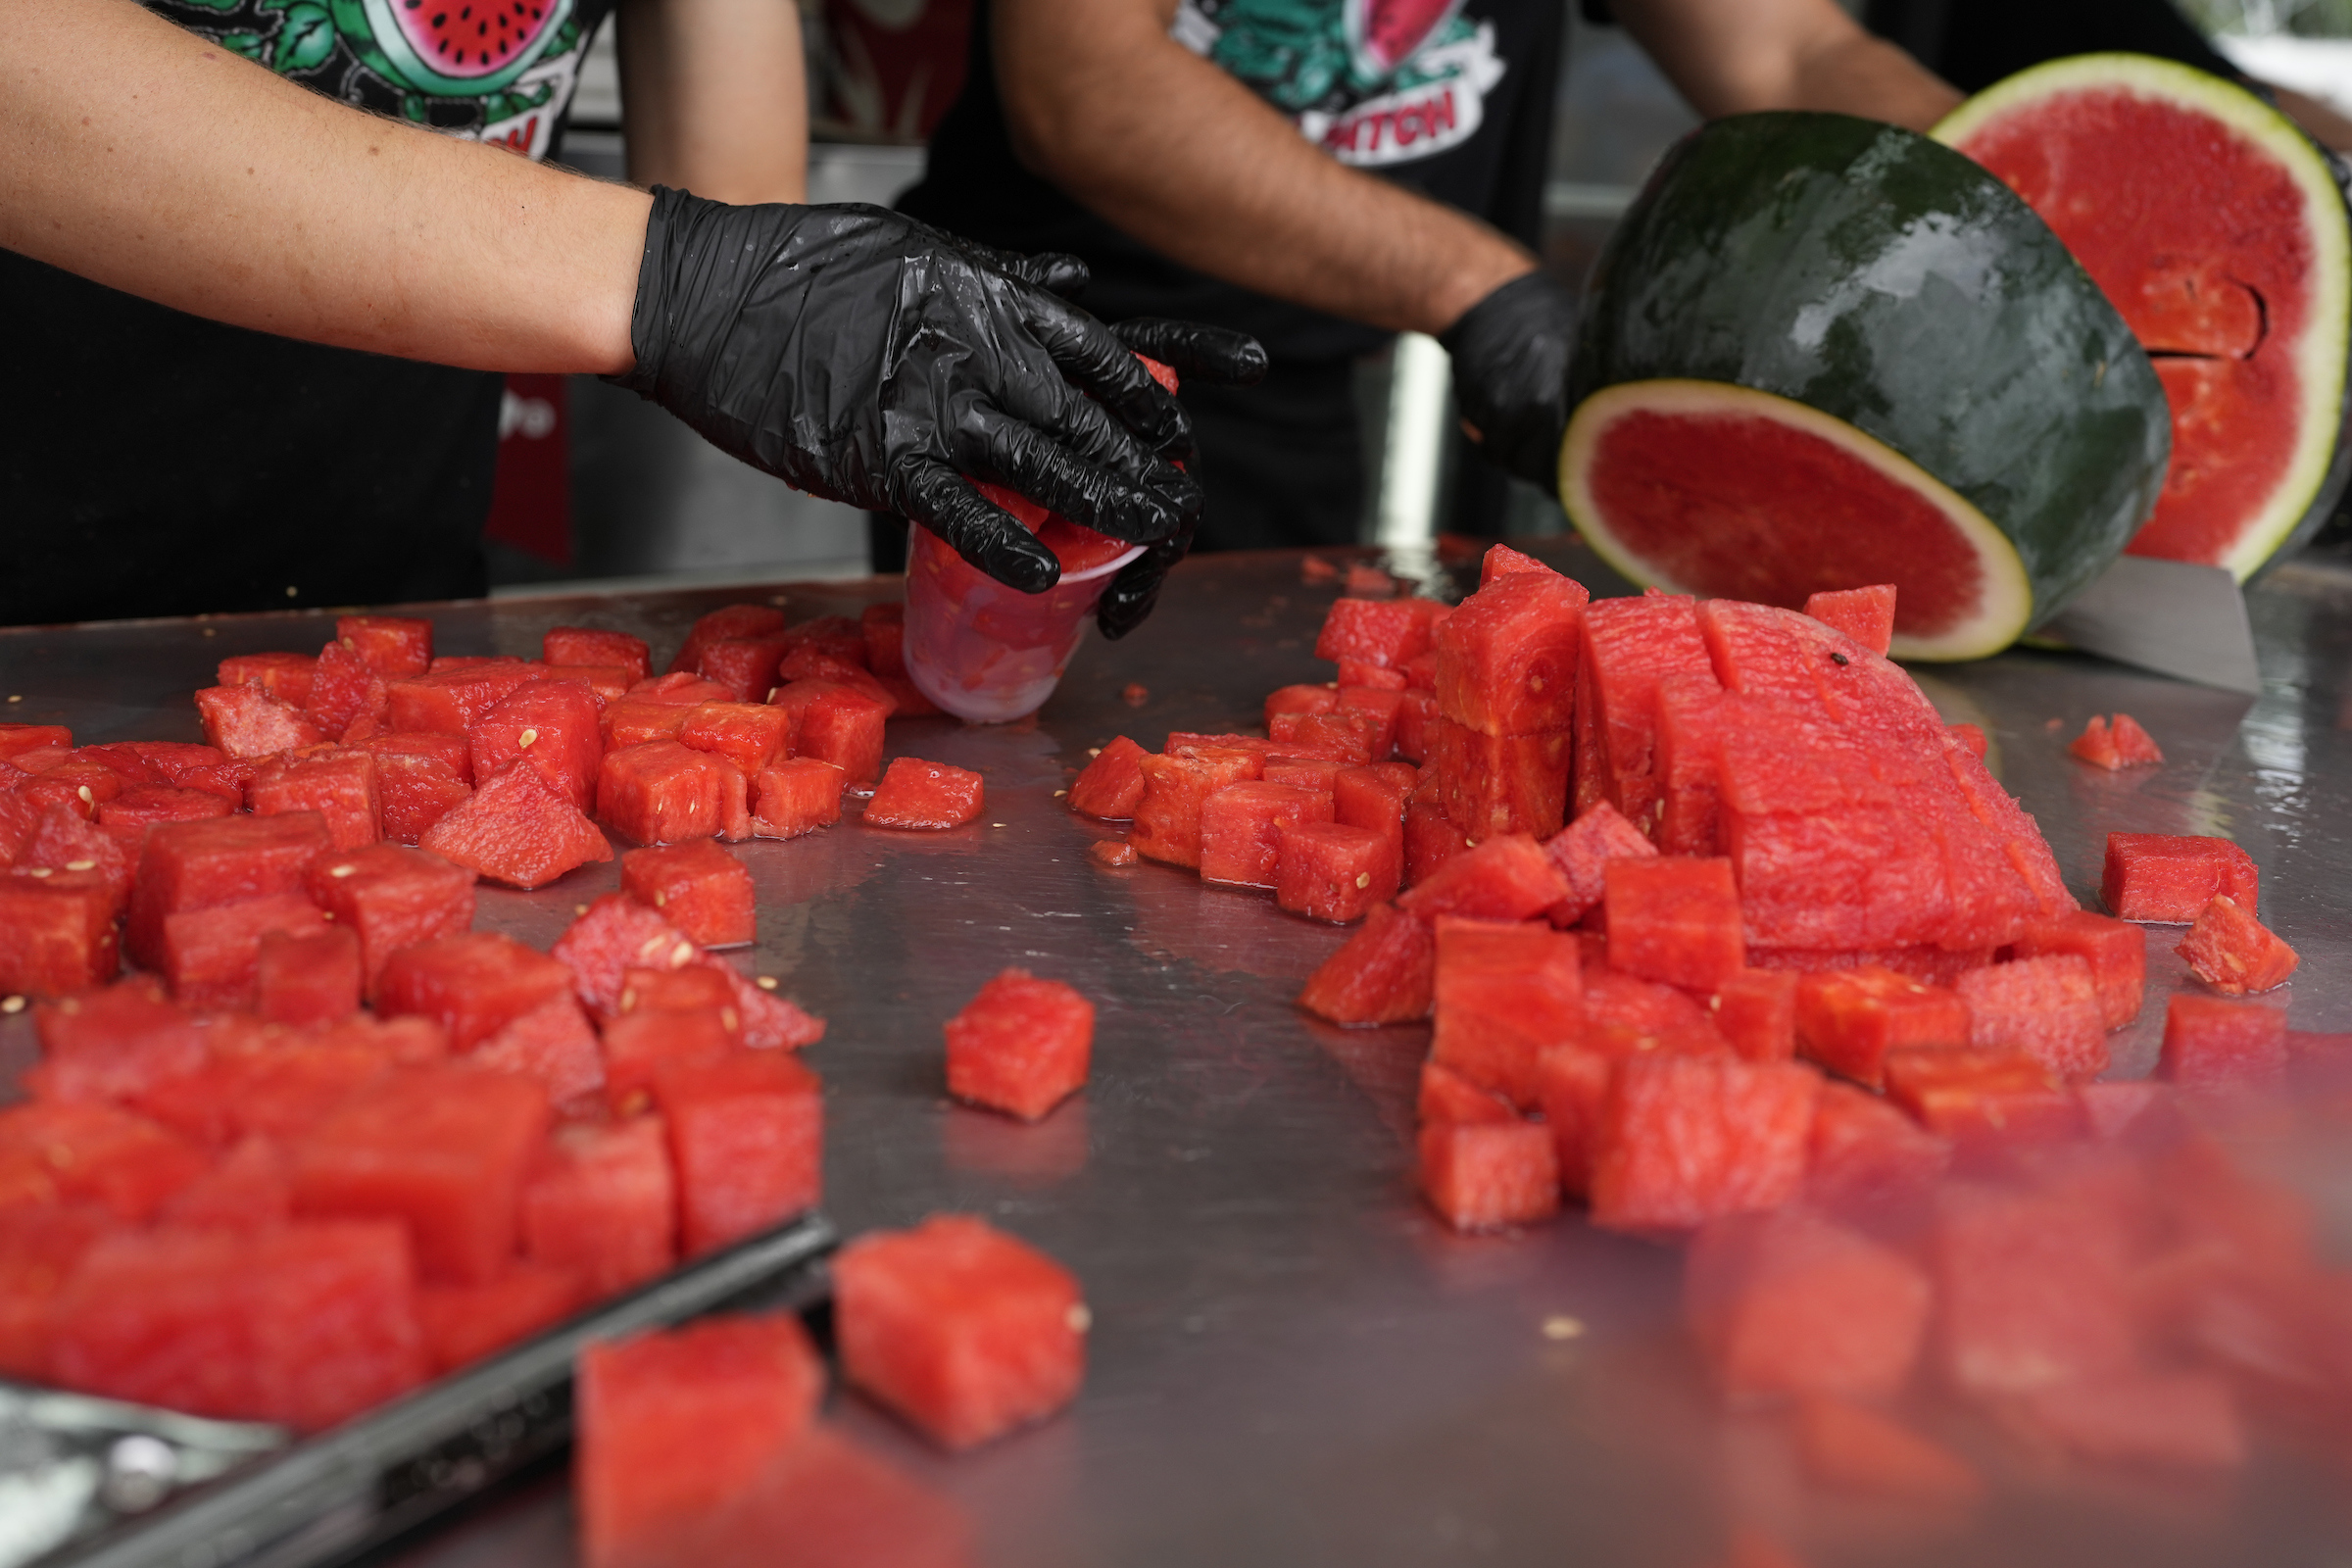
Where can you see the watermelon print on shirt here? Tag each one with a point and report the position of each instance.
(1372, 82)
(494, 71)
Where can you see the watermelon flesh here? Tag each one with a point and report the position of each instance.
(2218, 231)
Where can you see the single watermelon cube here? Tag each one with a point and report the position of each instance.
(614, 935)
(2233, 953)
(1371, 797)
(586, 645)
(553, 1043)
(417, 781)
(1674, 920)
(2210, 1044)
(635, 720)
(1386, 973)
(1109, 786)
(642, 1040)
(128, 816)
(2123, 745)
(839, 660)
(445, 1149)
(1382, 705)
(1417, 718)
(1849, 1020)
(1505, 878)
(1572, 1086)
(677, 1423)
(884, 628)
(1167, 819)
(78, 784)
(446, 699)
(838, 725)
(1356, 672)
(834, 636)
(1492, 785)
(551, 724)
(1314, 774)
(516, 830)
(2046, 1008)
(114, 1044)
(1430, 837)
(210, 956)
(1979, 1097)
(57, 932)
(962, 1331)
(64, 840)
(1486, 1176)
(1582, 852)
(1755, 1010)
(309, 977)
(246, 722)
(339, 785)
(678, 690)
(40, 1247)
(2117, 952)
(730, 620)
(98, 1155)
(1793, 1302)
(1866, 615)
(393, 897)
(1354, 733)
(251, 1189)
(1021, 1045)
(746, 1138)
(1502, 560)
(664, 792)
(198, 865)
(1447, 1097)
(1373, 631)
(769, 1022)
(796, 796)
(393, 646)
(1867, 1155)
(694, 989)
(1505, 993)
(2167, 877)
(1302, 700)
(283, 676)
(2033, 1289)
(603, 1205)
(750, 735)
(1508, 656)
(346, 695)
(701, 888)
(1243, 827)
(472, 984)
(1328, 872)
(925, 795)
(1687, 1139)
(463, 1323)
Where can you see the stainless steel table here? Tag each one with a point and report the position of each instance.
(1291, 1362)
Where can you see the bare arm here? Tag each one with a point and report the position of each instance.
(717, 97)
(136, 154)
(1732, 57)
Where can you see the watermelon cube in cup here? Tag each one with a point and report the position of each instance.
(964, 1332)
(989, 652)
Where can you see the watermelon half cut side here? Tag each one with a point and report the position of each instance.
(1788, 502)
(1917, 384)
(2220, 232)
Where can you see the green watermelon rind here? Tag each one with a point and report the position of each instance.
(2323, 463)
(1887, 282)
(373, 28)
(2007, 607)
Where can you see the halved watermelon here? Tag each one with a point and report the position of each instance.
(2219, 231)
(1822, 353)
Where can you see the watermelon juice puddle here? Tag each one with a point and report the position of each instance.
(990, 653)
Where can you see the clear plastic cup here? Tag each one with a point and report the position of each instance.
(985, 652)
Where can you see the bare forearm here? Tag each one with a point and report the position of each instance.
(140, 155)
(717, 97)
(1173, 150)
(1730, 56)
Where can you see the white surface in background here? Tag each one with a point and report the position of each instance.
(2319, 67)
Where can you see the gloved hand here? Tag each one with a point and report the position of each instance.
(865, 358)
(1194, 352)
(1510, 374)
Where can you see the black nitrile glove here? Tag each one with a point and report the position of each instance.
(1193, 351)
(1510, 374)
(866, 358)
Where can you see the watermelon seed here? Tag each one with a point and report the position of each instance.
(341, 870)
(1363, 879)
(1836, 658)
(766, 982)
(1563, 1328)
(208, 631)
(84, 792)
(580, 908)
(730, 1018)
(1080, 1318)
(38, 870)
(12, 1004)
(681, 953)
(82, 866)
(1091, 750)
(1058, 794)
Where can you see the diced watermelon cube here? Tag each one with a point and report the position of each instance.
(2046, 1008)
(1849, 1020)
(18, 816)
(1382, 632)
(1866, 615)
(1328, 872)
(77, 783)
(796, 796)
(2124, 745)
(662, 793)
(339, 785)
(925, 795)
(39, 1248)
(472, 984)
(1502, 560)
(634, 721)
(417, 781)
(246, 722)
(769, 1022)
(1505, 993)
(209, 955)
(746, 1138)
(2033, 1289)
(114, 1044)
(678, 690)
(1314, 774)
(444, 700)
(1021, 1045)
(603, 1204)
(552, 1043)
(1630, 644)
(2167, 877)
(393, 897)
(1242, 828)
(1167, 819)
(695, 987)
(1582, 851)
(1418, 719)
(1508, 656)
(1354, 733)
(130, 814)
(1373, 796)
(1449, 1096)
(1795, 1304)
(57, 932)
(699, 887)
(344, 692)
(1685, 1139)
(1302, 700)
(837, 725)
(2211, 1044)
(1354, 673)
(392, 646)
(1384, 973)
(444, 1150)
(750, 735)
(1975, 1096)
(1384, 706)
(587, 645)
(959, 1329)
(2233, 953)
(1110, 785)
(196, 866)
(307, 1325)
(251, 1189)
(1110, 852)
(307, 977)
(834, 636)
(612, 936)
(1858, 1450)
(2116, 951)
(730, 620)
(1485, 1176)
(642, 1040)
(99, 1153)
(285, 676)
(1756, 1011)
(1674, 920)
(1430, 837)
(1492, 784)
(516, 830)
(884, 628)
(1572, 1085)
(1505, 878)
(1868, 1156)
(676, 1423)
(551, 724)
(463, 1323)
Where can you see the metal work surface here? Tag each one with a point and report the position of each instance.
(1292, 1361)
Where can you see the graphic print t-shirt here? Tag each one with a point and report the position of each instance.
(1450, 98)
(155, 464)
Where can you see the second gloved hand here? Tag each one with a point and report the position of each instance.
(864, 358)
(1510, 374)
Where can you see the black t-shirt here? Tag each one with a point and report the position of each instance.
(1452, 100)
(155, 464)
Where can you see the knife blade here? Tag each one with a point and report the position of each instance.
(2178, 619)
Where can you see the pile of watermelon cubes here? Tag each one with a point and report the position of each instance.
(327, 1139)
(1723, 934)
